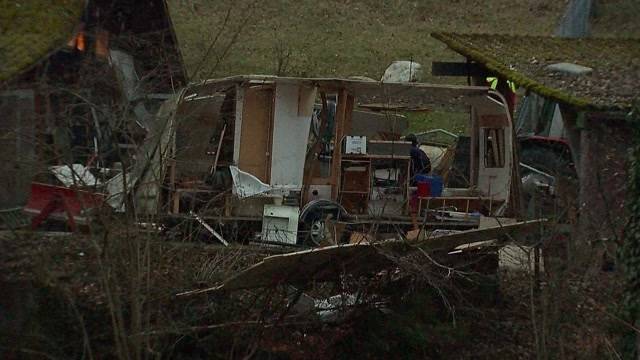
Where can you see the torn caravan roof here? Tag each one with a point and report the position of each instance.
(398, 96)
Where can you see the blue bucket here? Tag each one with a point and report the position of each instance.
(435, 184)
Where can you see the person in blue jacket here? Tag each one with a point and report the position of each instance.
(420, 163)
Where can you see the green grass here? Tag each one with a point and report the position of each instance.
(359, 37)
(341, 38)
(617, 18)
(456, 122)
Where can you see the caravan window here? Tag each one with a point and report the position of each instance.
(494, 147)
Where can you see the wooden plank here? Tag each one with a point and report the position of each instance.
(306, 266)
(457, 198)
(469, 204)
(209, 228)
(328, 263)
(390, 148)
(355, 186)
(452, 241)
(257, 125)
(494, 148)
(394, 108)
(311, 162)
(337, 138)
(374, 157)
(215, 162)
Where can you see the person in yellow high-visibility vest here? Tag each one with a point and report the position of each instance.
(509, 95)
(493, 83)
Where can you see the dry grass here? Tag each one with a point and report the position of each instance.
(617, 18)
(359, 37)
(331, 38)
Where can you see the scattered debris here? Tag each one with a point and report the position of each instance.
(570, 69)
(74, 175)
(61, 203)
(327, 263)
(209, 228)
(288, 142)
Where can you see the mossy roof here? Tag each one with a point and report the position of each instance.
(612, 85)
(31, 29)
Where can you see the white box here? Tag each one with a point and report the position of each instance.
(280, 224)
(355, 145)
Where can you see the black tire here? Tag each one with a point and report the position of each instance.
(312, 221)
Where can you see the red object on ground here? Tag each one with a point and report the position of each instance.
(61, 203)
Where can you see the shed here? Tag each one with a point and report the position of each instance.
(76, 78)
(595, 81)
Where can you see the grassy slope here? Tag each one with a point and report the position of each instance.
(617, 18)
(346, 38)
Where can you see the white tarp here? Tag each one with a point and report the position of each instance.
(74, 174)
(246, 185)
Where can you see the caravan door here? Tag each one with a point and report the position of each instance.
(256, 133)
(494, 137)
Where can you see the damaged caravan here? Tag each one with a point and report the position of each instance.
(312, 160)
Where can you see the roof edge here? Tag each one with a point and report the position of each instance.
(528, 83)
(74, 16)
(172, 31)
